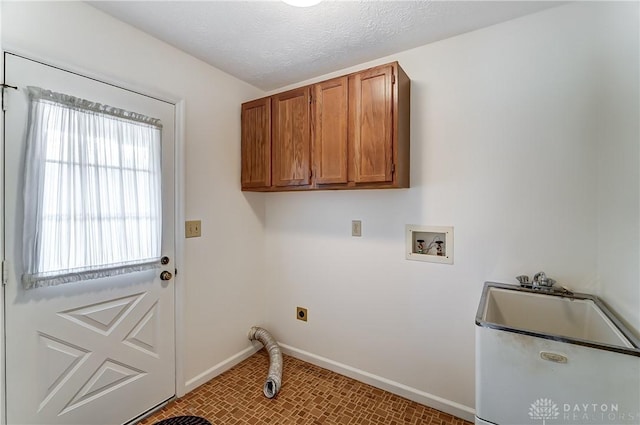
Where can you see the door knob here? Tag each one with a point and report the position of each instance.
(165, 275)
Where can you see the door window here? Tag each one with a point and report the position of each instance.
(92, 198)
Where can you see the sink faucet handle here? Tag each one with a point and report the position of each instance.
(541, 279)
(523, 279)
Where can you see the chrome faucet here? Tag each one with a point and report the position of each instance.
(542, 283)
(540, 280)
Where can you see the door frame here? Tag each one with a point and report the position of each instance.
(179, 207)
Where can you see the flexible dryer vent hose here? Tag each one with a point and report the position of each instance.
(274, 378)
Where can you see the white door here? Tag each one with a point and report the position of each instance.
(99, 351)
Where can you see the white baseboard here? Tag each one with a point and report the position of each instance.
(219, 368)
(444, 405)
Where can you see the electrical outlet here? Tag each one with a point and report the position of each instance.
(356, 228)
(193, 229)
(301, 313)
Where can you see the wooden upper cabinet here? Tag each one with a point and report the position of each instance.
(291, 138)
(371, 124)
(256, 144)
(352, 131)
(379, 124)
(330, 137)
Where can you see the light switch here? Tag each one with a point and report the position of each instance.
(193, 229)
(356, 228)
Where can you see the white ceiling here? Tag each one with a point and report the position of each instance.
(270, 44)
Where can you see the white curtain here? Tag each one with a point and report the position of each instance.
(92, 194)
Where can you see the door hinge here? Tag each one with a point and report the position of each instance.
(4, 86)
(5, 273)
(393, 79)
(393, 168)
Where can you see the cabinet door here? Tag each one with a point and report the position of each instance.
(256, 143)
(371, 124)
(330, 117)
(291, 135)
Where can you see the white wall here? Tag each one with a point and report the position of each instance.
(505, 141)
(619, 153)
(222, 296)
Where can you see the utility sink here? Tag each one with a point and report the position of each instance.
(578, 318)
(560, 357)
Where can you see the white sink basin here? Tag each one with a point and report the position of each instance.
(567, 354)
(571, 317)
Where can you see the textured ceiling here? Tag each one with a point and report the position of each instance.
(270, 44)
